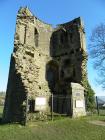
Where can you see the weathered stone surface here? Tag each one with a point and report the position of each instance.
(78, 100)
(44, 61)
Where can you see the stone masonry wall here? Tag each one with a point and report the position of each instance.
(44, 61)
(28, 63)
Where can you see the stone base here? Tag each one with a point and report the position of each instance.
(78, 100)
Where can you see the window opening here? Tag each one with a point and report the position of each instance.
(36, 37)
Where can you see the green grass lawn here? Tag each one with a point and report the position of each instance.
(63, 129)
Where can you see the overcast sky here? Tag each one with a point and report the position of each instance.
(53, 12)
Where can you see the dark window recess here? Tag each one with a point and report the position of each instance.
(72, 52)
(31, 106)
(66, 53)
(62, 74)
(71, 37)
(67, 61)
(50, 75)
(39, 87)
(77, 50)
(36, 37)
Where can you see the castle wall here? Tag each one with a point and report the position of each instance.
(44, 61)
(28, 64)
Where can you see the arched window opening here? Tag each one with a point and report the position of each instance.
(52, 74)
(36, 37)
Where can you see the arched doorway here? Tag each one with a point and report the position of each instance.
(52, 75)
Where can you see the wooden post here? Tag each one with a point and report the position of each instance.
(52, 107)
(26, 109)
(97, 106)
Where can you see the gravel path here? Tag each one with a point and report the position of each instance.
(97, 122)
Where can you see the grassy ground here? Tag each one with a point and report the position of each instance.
(1, 111)
(63, 129)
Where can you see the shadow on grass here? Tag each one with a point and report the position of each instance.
(10, 123)
(1, 122)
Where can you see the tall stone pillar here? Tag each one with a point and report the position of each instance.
(78, 100)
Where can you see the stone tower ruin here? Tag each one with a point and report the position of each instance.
(46, 61)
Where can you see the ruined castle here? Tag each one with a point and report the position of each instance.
(46, 61)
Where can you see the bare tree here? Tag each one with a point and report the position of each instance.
(97, 52)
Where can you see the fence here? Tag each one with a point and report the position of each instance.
(100, 105)
(59, 105)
